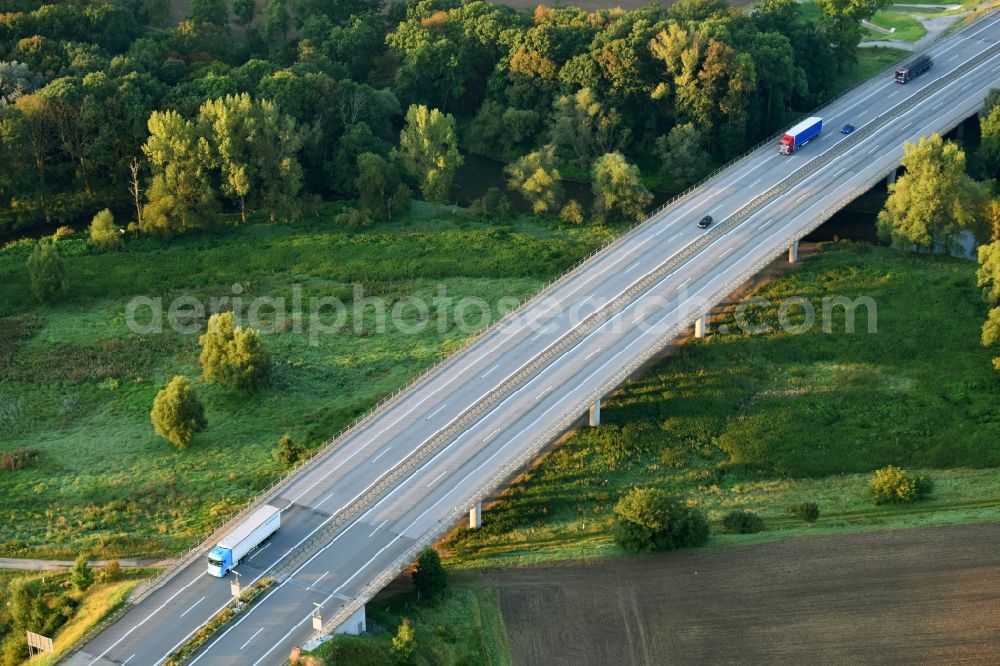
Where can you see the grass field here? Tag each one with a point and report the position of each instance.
(464, 627)
(908, 29)
(77, 385)
(768, 421)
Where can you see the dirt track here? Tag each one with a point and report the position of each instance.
(908, 596)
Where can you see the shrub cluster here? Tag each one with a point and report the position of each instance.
(807, 511)
(648, 519)
(892, 485)
(19, 459)
(742, 521)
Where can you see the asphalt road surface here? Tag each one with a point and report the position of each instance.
(913, 596)
(357, 512)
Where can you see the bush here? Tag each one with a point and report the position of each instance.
(807, 511)
(404, 643)
(572, 212)
(288, 452)
(648, 520)
(103, 231)
(177, 415)
(111, 573)
(81, 575)
(47, 273)
(233, 356)
(743, 522)
(491, 207)
(63, 232)
(891, 485)
(19, 459)
(352, 218)
(430, 578)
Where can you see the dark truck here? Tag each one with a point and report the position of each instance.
(915, 67)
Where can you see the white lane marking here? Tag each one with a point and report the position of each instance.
(681, 285)
(807, 194)
(837, 173)
(491, 434)
(438, 477)
(127, 660)
(755, 182)
(158, 609)
(432, 414)
(313, 586)
(540, 333)
(874, 148)
(483, 376)
(673, 238)
(633, 265)
(190, 608)
(765, 224)
(384, 451)
(726, 252)
(539, 396)
(252, 637)
(381, 525)
(587, 358)
(260, 550)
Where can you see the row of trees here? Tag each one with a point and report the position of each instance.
(89, 88)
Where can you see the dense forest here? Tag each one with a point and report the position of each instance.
(267, 106)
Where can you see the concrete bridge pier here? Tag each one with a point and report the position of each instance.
(476, 516)
(355, 625)
(595, 414)
(793, 253)
(701, 326)
(891, 178)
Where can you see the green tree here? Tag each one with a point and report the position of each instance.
(989, 149)
(536, 178)
(103, 231)
(430, 578)
(618, 190)
(288, 452)
(177, 415)
(404, 643)
(988, 274)
(209, 11)
(81, 575)
(683, 160)
(244, 12)
(934, 200)
(233, 356)
(47, 272)
(380, 193)
(180, 196)
(428, 148)
(841, 23)
(254, 146)
(647, 519)
(572, 212)
(582, 127)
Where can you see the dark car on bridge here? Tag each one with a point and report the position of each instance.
(847, 129)
(705, 222)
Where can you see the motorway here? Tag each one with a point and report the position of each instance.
(392, 485)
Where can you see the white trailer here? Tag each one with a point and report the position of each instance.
(249, 534)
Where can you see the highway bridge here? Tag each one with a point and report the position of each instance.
(360, 511)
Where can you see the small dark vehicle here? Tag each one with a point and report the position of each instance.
(705, 222)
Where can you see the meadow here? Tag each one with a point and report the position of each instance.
(768, 421)
(76, 384)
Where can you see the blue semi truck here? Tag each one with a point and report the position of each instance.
(800, 135)
(249, 534)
